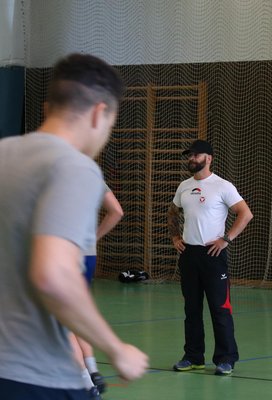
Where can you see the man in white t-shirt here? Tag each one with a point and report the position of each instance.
(205, 199)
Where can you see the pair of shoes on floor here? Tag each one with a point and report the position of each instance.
(223, 369)
(99, 382)
(186, 365)
(94, 394)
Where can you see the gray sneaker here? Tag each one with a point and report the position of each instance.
(223, 369)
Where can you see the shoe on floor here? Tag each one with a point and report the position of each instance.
(185, 365)
(223, 369)
(98, 380)
(94, 394)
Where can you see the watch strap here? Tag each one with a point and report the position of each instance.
(226, 238)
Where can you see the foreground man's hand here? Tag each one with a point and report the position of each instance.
(130, 362)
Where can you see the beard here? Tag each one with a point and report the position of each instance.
(195, 167)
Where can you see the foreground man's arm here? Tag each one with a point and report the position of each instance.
(55, 274)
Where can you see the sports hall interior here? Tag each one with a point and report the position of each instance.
(198, 69)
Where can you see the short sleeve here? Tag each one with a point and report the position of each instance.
(176, 199)
(69, 202)
(106, 188)
(231, 195)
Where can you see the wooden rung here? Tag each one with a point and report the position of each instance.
(125, 244)
(168, 172)
(170, 161)
(177, 140)
(160, 225)
(111, 253)
(154, 161)
(160, 98)
(119, 140)
(104, 270)
(154, 214)
(162, 235)
(164, 257)
(136, 88)
(131, 161)
(160, 203)
(121, 234)
(119, 130)
(172, 183)
(177, 130)
(155, 140)
(142, 162)
(143, 193)
(181, 87)
(167, 151)
(133, 203)
(136, 203)
(162, 193)
(133, 213)
(142, 183)
(129, 255)
(162, 246)
(125, 223)
(180, 98)
(185, 87)
(132, 150)
(133, 98)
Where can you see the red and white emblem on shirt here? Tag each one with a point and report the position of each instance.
(202, 199)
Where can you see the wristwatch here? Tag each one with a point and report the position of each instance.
(226, 238)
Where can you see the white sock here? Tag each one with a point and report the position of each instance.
(88, 383)
(90, 363)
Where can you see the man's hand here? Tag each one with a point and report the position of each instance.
(216, 247)
(130, 362)
(179, 244)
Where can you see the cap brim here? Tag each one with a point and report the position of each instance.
(185, 152)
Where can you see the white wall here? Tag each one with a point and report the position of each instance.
(136, 31)
(152, 31)
(12, 21)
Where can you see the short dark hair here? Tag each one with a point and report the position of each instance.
(81, 81)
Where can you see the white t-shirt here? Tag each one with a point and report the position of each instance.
(205, 204)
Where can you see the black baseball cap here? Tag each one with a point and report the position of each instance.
(199, 146)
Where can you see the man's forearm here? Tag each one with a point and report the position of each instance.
(173, 221)
(107, 224)
(243, 216)
(239, 225)
(56, 277)
(114, 213)
(71, 303)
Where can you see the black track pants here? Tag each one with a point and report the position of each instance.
(201, 273)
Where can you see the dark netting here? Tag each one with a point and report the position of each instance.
(166, 106)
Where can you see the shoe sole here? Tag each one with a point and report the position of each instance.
(223, 373)
(189, 368)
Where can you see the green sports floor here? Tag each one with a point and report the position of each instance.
(151, 317)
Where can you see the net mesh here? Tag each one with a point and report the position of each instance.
(174, 95)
